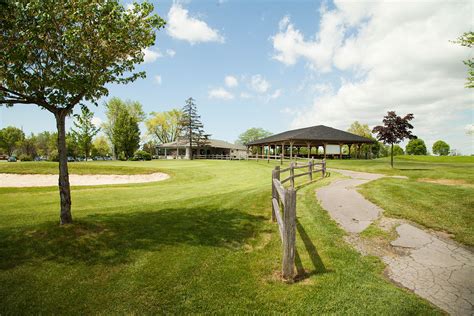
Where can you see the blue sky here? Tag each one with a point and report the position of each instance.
(299, 63)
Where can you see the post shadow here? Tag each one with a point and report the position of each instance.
(318, 265)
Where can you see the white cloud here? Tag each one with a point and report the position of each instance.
(185, 27)
(220, 93)
(469, 129)
(170, 52)
(391, 56)
(275, 95)
(97, 121)
(290, 44)
(158, 79)
(259, 84)
(245, 95)
(231, 81)
(151, 55)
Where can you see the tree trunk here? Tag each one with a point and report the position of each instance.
(64, 188)
(391, 156)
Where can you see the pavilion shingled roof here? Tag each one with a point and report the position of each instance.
(315, 134)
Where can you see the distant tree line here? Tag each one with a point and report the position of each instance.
(121, 136)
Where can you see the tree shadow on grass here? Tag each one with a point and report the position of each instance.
(112, 238)
(318, 265)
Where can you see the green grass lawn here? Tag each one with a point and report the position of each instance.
(415, 167)
(90, 167)
(442, 207)
(201, 242)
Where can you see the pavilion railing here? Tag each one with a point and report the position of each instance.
(220, 157)
(284, 209)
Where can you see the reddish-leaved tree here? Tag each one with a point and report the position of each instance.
(394, 130)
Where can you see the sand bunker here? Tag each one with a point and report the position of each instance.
(47, 180)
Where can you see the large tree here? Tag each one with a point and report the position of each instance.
(394, 130)
(46, 142)
(84, 131)
(365, 149)
(192, 127)
(441, 148)
(165, 127)
(126, 135)
(416, 147)
(11, 138)
(57, 54)
(28, 146)
(114, 107)
(101, 147)
(252, 134)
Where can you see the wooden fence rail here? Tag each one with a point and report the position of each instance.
(284, 211)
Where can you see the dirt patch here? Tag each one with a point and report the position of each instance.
(447, 181)
(8, 180)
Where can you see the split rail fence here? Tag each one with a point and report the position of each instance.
(284, 209)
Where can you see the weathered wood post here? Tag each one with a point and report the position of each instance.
(340, 151)
(310, 169)
(292, 175)
(289, 235)
(291, 151)
(324, 147)
(275, 175)
(323, 167)
(268, 153)
(282, 157)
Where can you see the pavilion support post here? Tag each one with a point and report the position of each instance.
(358, 151)
(309, 150)
(247, 158)
(282, 156)
(268, 153)
(324, 147)
(263, 152)
(340, 151)
(350, 146)
(291, 151)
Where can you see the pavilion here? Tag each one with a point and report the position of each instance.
(309, 137)
(213, 148)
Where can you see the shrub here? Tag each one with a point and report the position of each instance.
(142, 155)
(397, 150)
(24, 157)
(121, 156)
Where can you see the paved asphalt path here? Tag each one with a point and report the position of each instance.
(438, 270)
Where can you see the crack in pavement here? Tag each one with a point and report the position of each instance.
(438, 270)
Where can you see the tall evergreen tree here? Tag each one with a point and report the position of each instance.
(192, 127)
(85, 131)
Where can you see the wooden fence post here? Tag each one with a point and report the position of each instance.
(289, 236)
(292, 175)
(275, 175)
(310, 170)
(324, 168)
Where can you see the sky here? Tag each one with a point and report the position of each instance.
(281, 65)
